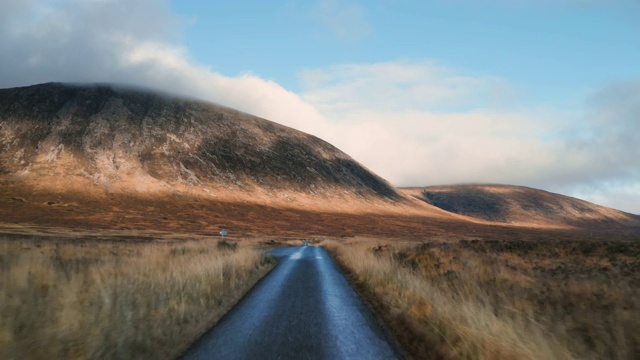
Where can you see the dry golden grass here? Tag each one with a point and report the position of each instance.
(503, 299)
(89, 300)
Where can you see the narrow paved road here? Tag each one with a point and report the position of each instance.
(304, 309)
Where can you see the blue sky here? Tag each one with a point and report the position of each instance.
(538, 93)
(552, 52)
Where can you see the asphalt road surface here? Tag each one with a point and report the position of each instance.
(303, 309)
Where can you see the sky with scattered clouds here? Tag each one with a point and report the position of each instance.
(538, 93)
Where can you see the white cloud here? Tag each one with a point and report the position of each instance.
(430, 148)
(106, 41)
(389, 120)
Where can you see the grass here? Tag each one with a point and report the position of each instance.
(502, 299)
(91, 299)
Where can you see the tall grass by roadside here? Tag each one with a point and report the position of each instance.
(476, 300)
(116, 300)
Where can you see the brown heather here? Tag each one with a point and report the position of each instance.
(90, 300)
(502, 299)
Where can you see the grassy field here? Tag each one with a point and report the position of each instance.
(502, 299)
(98, 299)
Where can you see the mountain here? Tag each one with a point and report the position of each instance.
(125, 159)
(94, 138)
(517, 205)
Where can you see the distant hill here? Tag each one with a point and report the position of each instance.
(63, 137)
(519, 205)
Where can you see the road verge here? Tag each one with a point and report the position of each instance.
(115, 300)
(429, 322)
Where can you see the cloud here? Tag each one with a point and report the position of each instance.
(108, 41)
(74, 39)
(419, 148)
(606, 137)
(391, 118)
(612, 174)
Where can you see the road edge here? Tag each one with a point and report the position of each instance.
(380, 311)
(227, 310)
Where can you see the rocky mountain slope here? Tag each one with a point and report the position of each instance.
(521, 206)
(62, 137)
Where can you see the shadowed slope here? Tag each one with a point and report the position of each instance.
(521, 205)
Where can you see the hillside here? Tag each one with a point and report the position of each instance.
(92, 138)
(519, 205)
(109, 157)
